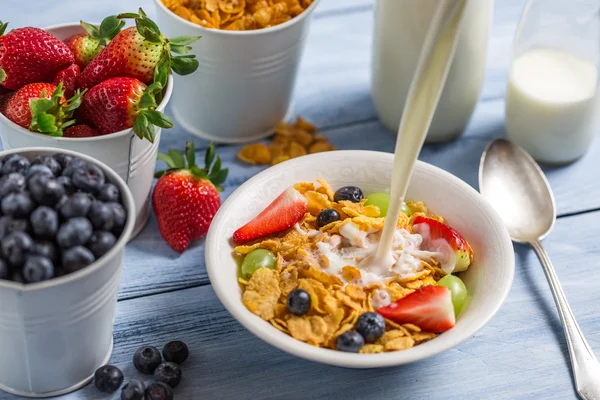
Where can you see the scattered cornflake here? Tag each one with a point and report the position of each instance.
(257, 153)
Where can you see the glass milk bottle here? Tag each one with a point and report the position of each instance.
(400, 29)
(552, 95)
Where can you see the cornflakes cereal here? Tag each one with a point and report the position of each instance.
(340, 290)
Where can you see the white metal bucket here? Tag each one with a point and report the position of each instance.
(55, 334)
(132, 158)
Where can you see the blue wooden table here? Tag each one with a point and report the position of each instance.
(520, 354)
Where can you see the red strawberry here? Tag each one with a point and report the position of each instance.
(41, 107)
(282, 213)
(68, 77)
(430, 308)
(86, 46)
(81, 131)
(432, 231)
(137, 51)
(5, 96)
(186, 199)
(30, 55)
(123, 103)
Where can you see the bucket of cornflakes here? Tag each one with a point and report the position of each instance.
(250, 52)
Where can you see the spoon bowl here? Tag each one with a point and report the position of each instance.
(516, 186)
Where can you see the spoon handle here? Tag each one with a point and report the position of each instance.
(586, 368)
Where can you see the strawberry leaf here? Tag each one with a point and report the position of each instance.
(110, 27)
(140, 125)
(157, 118)
(74, 102)
(216, 167)
(147, 101)
(161, 72)
(128, 16)
(184, 65)
(149, 30)
(150, 133)
(2, 75)
(183, 40)
(190, 153)
(3, 26)
(200, 173)
(177, 158)
(219, 178)
(209, 156)
(167, 160)
(180, 49)
(141, 12)
(90, 29)
(43, 122)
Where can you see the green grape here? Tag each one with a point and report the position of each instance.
(259, 258)
(458, 290)
(380, 200)
(406, 209)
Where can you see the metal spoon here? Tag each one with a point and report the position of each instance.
(517, 188)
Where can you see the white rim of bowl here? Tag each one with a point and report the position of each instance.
(253, 32)
(333, 357)
(126, 198)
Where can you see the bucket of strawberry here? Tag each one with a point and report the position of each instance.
(96, 89)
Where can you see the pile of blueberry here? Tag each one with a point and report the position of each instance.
(147, 360)
(58, 215)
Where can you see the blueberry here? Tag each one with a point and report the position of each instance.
(37, 269)
(175, 351)
(46, 248)
(146, 359)
(73, 165)
(17, 277)
(76, 258)
(4, 271)
(133, 390)
(15, 247)
(120, 217)
(78, 205)
(350, 341)
(11, 183)
(108, 378)
(327, 216)
(44, 222)
(88, 178)
(45, 190)
(17, 205)
(15, 163)
(371, 326)
(100, 243)
(65, 181)
(50, 162)
(39, 170)
(169, 373)
(109, 193)
(159, 391)
(63, 159)
(10, 225)
(298, 302)
(74, 232)
(350, 193)
(101, 216)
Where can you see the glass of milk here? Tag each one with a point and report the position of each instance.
(552, 105)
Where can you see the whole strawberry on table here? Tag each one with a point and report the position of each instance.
(95, 83)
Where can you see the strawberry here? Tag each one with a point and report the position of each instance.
(430, 308)
(186, 199)
(123, 103)
(140, 52)
(80, 131)
(436, 234)
(86, 46)
(42, 107)
(287, 209)
(30, 55)
(68, 77)
(5, 96)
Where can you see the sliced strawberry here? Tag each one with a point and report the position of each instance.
(282, 213)
(435, 234)
(430, 308)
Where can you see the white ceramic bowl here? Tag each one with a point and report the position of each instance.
(244, 84)
(488, 279)
(55, 334)
(132, 158)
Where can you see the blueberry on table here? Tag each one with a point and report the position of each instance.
(45, 190)
(169, 373)
(101, 216)
(17, 205)
(88, 178)
(73, 165)
(159, 391)
(15, 163)
(52, 163)
(78, 205)
(10, 225)
(15, 247)
(109, 193)
(74, 232)
(350, 341)
(63, 159)
(133, 390)
(4, 271)
(327, 216)
(65, 181)
(37, 269)
(298, 302)
(39, 170)
(76, 258)
(371, 326)
(108, 378)
(146, 359)
(175, 351)
(44, 222)
(100, 243)
(350, 193)
(46, 248)
(13, 182)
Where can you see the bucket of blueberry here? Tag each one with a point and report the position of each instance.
(64, 221)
